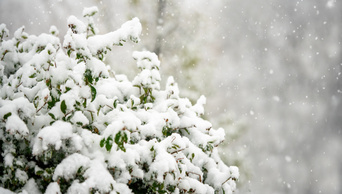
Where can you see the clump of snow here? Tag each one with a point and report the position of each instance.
(52, 136)
(31, 187)
(76, 25)
(19, 33)
(90, 11)
(70, 165)
(98, 176)
(128, 31)
(54, 31)
(79, 117)
(21, 175)
(19, 105)
(8, 159)
(53, 188)
(5, 191)
(3, 31)
(234, 172)
(149, 76)
(16, 126)
(198, 107)
(146, 60)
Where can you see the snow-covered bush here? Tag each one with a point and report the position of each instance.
(69, 124)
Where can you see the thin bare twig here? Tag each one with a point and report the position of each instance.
(177, 151)
(226, 180)
(173, 139)
(199, 176)
(109, 106)
(41, 107)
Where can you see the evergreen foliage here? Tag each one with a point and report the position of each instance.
(69, 124)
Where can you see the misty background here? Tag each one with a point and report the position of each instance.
(271, 72)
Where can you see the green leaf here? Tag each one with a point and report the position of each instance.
(115, 104)
(7, 115)
(69, 52)
(117, 138)
(40, 49)
(48, 82)
(49, 170)
(70, 116)
(79, 170)
(153, 98)
(39, 172)
(167, 131)
(109, 143)
(88, 78)
(186, 130)
(92, 30)
(33, 75)
(93, 92)
(125, 138)
(79, 123)
(120, 139)
(52, 102)
(98, 110)
(192, 157)
(52, 116)
(90, 14)
(143, 99)
(102, 142)
(85, 103)
(63, 107)
(78, 55)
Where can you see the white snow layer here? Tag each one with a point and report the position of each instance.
(70, 165)
(129, 30)
(15, 125)
(52, 136)
(90, 11)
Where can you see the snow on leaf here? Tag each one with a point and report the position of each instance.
(15, 126)
(93, 92)
(70, 165)
(52, 135)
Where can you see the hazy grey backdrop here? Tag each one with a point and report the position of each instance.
(271, 71)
